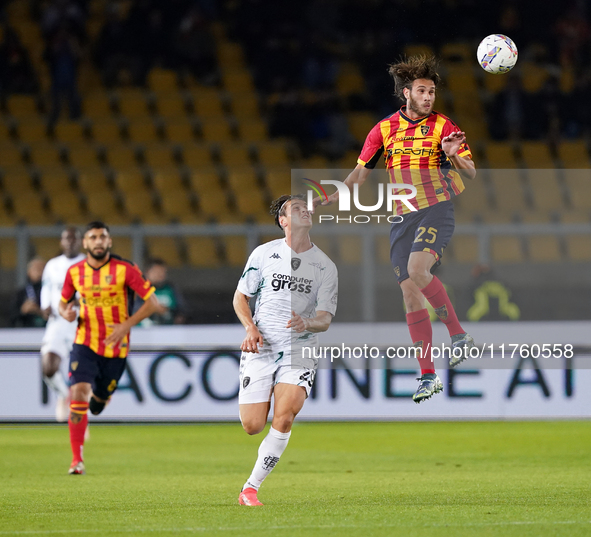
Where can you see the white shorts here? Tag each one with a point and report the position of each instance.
(58, 339)
(259, 373)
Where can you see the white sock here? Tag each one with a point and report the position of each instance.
(270, 450)
(57, 383)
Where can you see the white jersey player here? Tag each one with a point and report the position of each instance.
(295, 285)
(59, 334)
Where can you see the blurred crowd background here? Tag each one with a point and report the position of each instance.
(195, 111)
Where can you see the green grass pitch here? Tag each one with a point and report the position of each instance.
(334, 479)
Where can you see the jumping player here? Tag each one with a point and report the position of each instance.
(295, 285)
(426, 149)
(105, 283)
(59, 334)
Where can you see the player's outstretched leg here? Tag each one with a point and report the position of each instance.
(437, 296)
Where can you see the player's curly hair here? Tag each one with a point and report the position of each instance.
(277, 208)
(407, 70)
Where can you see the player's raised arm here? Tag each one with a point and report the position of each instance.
(453, 145)
(253, 338)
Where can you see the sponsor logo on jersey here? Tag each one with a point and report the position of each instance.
(275, 256)
(291, 283)
(295, 263)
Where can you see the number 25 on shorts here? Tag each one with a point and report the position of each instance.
(431, 231)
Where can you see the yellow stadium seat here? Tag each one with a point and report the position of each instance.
(544, 249)
(537, 216)
(178, 203)
(202, 252)
(180, 130)
(253, 130)
(533, 76)
(10, 155)
(536, 155)
(29, 206)
(161, 80)
(349, 80)
(278, 181)
(22, 106)
(507, 249)
(197, 155)
(102, 204)
(230, 55)
(65, 206)
(121, 156)
(546, 192)
(578, 247)
(464, 249)
(132, 104)
(130, 181)
(5, 134)
(382, 248)
(245, 105)
(273, 153)
(143, 131)
(8, 254)
(171, 106)
(235, 154)
(499, 216)
(494, 83)
(69, 131)
(208, 104)
(575, 216)
(167, 179)
(237, 80)
(574, 154)
(140, 206)
(45, 154)
(45, 247)
(251, 203)
(106, 131)
(500, 155)
(242, 179)
(157, 155)
(82, 154)
(213, 202)
(579, 186)
(360, 123)
(54, 180)
(235, 250)
(474, 199)
(90, 179)
(32, 130)
(461, 82)
(508, 189)
(216, 130)
(123, 247)
(164, 248)
(204, 178)
(97, 106)
(418, 50)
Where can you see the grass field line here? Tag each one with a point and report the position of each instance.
(291, 526)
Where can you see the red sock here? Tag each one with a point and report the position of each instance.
(77, 430)
(437, 296)
(421, 333)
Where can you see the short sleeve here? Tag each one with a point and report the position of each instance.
(251, 277)
(328, 291)
(449, 128)
(136, 281)
(372, 148)
(68, 290)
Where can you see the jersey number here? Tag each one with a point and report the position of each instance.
(431, 231)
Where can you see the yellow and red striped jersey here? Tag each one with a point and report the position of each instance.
(413, 155)
(106, 298)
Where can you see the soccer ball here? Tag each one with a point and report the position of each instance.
(497, 54)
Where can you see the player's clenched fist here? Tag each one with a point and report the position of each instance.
(252, 341)
(69, 313)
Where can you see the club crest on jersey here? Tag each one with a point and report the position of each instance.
(295, 263)
(245, 382)
(109, 278)
(425, 130)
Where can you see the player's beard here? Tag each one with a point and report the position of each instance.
(417, 108)
(99, 257)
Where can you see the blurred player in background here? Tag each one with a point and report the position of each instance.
(420, 146)
(59, 334)
(295, 285)
(106, 284)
